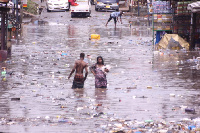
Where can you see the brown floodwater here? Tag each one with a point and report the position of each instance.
(142, 84)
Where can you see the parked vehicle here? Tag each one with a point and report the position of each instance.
(107, 5)
(57, 5)
(83, 8)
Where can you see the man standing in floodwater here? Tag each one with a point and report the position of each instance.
(79, 66)
(115, 15)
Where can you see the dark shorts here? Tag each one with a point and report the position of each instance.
(102, 87)
(77, 85)
(115, 19)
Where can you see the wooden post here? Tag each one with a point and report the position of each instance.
(192, 31)
(3, 51)
(138, 8)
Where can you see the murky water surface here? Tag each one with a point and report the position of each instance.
(143, 84)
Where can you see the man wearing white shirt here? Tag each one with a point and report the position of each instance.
(115, 15)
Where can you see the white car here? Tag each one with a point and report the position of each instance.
(83, 8)
(57, 5)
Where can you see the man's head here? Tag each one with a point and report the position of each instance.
(82, 55)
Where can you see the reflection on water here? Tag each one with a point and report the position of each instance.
(79, 93)
(101, 99)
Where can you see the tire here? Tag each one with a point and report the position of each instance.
(96, 9)
(69, 7)
(88, 14)
(48, 10)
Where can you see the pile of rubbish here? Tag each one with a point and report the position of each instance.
(114, 125)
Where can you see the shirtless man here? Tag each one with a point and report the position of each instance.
(79, 66)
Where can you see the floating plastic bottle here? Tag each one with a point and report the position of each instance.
(190, 110)
(130, 42)
(3, 73)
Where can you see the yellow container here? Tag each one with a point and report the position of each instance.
(95, 36)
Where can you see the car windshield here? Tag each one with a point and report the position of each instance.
(108, 1)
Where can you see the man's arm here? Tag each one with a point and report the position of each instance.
(86, 72)
(92, 70)
(74, 68)
(121, 18)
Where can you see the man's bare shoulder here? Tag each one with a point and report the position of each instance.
(85, 63)
(81, 62)
(78, 61)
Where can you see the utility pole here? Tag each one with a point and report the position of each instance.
(4, 24)
(3, 29)
(192, 30)
(138, 7)
(17, 18)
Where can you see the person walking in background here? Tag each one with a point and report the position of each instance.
(99, 71)
(79, 66)
(115, 15)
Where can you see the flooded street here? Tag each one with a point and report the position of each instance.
(143, 84)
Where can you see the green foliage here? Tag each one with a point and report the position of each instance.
(31, 7)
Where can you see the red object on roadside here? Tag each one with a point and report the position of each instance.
(72, 2)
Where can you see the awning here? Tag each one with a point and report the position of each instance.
(194, 7)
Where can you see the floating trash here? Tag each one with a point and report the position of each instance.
(190, 110)
(95, 36)
(149, 87)
(15, 99)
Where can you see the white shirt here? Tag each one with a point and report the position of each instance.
(115, 14)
